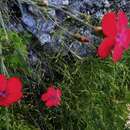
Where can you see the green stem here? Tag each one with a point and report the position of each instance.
(3, 25)
(7, 118)
(3, 67)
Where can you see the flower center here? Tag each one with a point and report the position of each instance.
(121, 38)
(3, 94)
(52, 97)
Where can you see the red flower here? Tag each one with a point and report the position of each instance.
(10, 90)
(115, 27)
(52, 97)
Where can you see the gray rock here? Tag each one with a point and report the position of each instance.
(58, 2)
(45, 38)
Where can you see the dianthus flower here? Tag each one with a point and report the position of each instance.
(115, 28)
(52, 97)
(10, 90)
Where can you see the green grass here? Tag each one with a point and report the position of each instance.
(95, 92)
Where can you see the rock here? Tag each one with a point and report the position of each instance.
(42, 29)
(15, 27)
(95, 8)
(45, 38)
(33, 59)
(58, 2)
(30, 22)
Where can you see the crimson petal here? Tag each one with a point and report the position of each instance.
(3, 82)
(51, 91)
(14, 85)
(105, 47)
(44, 97)
(117, 53)
(58, 91)
(122, 19)
(109, 24)
(11, 98)
(4, 103)
(52, 103)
